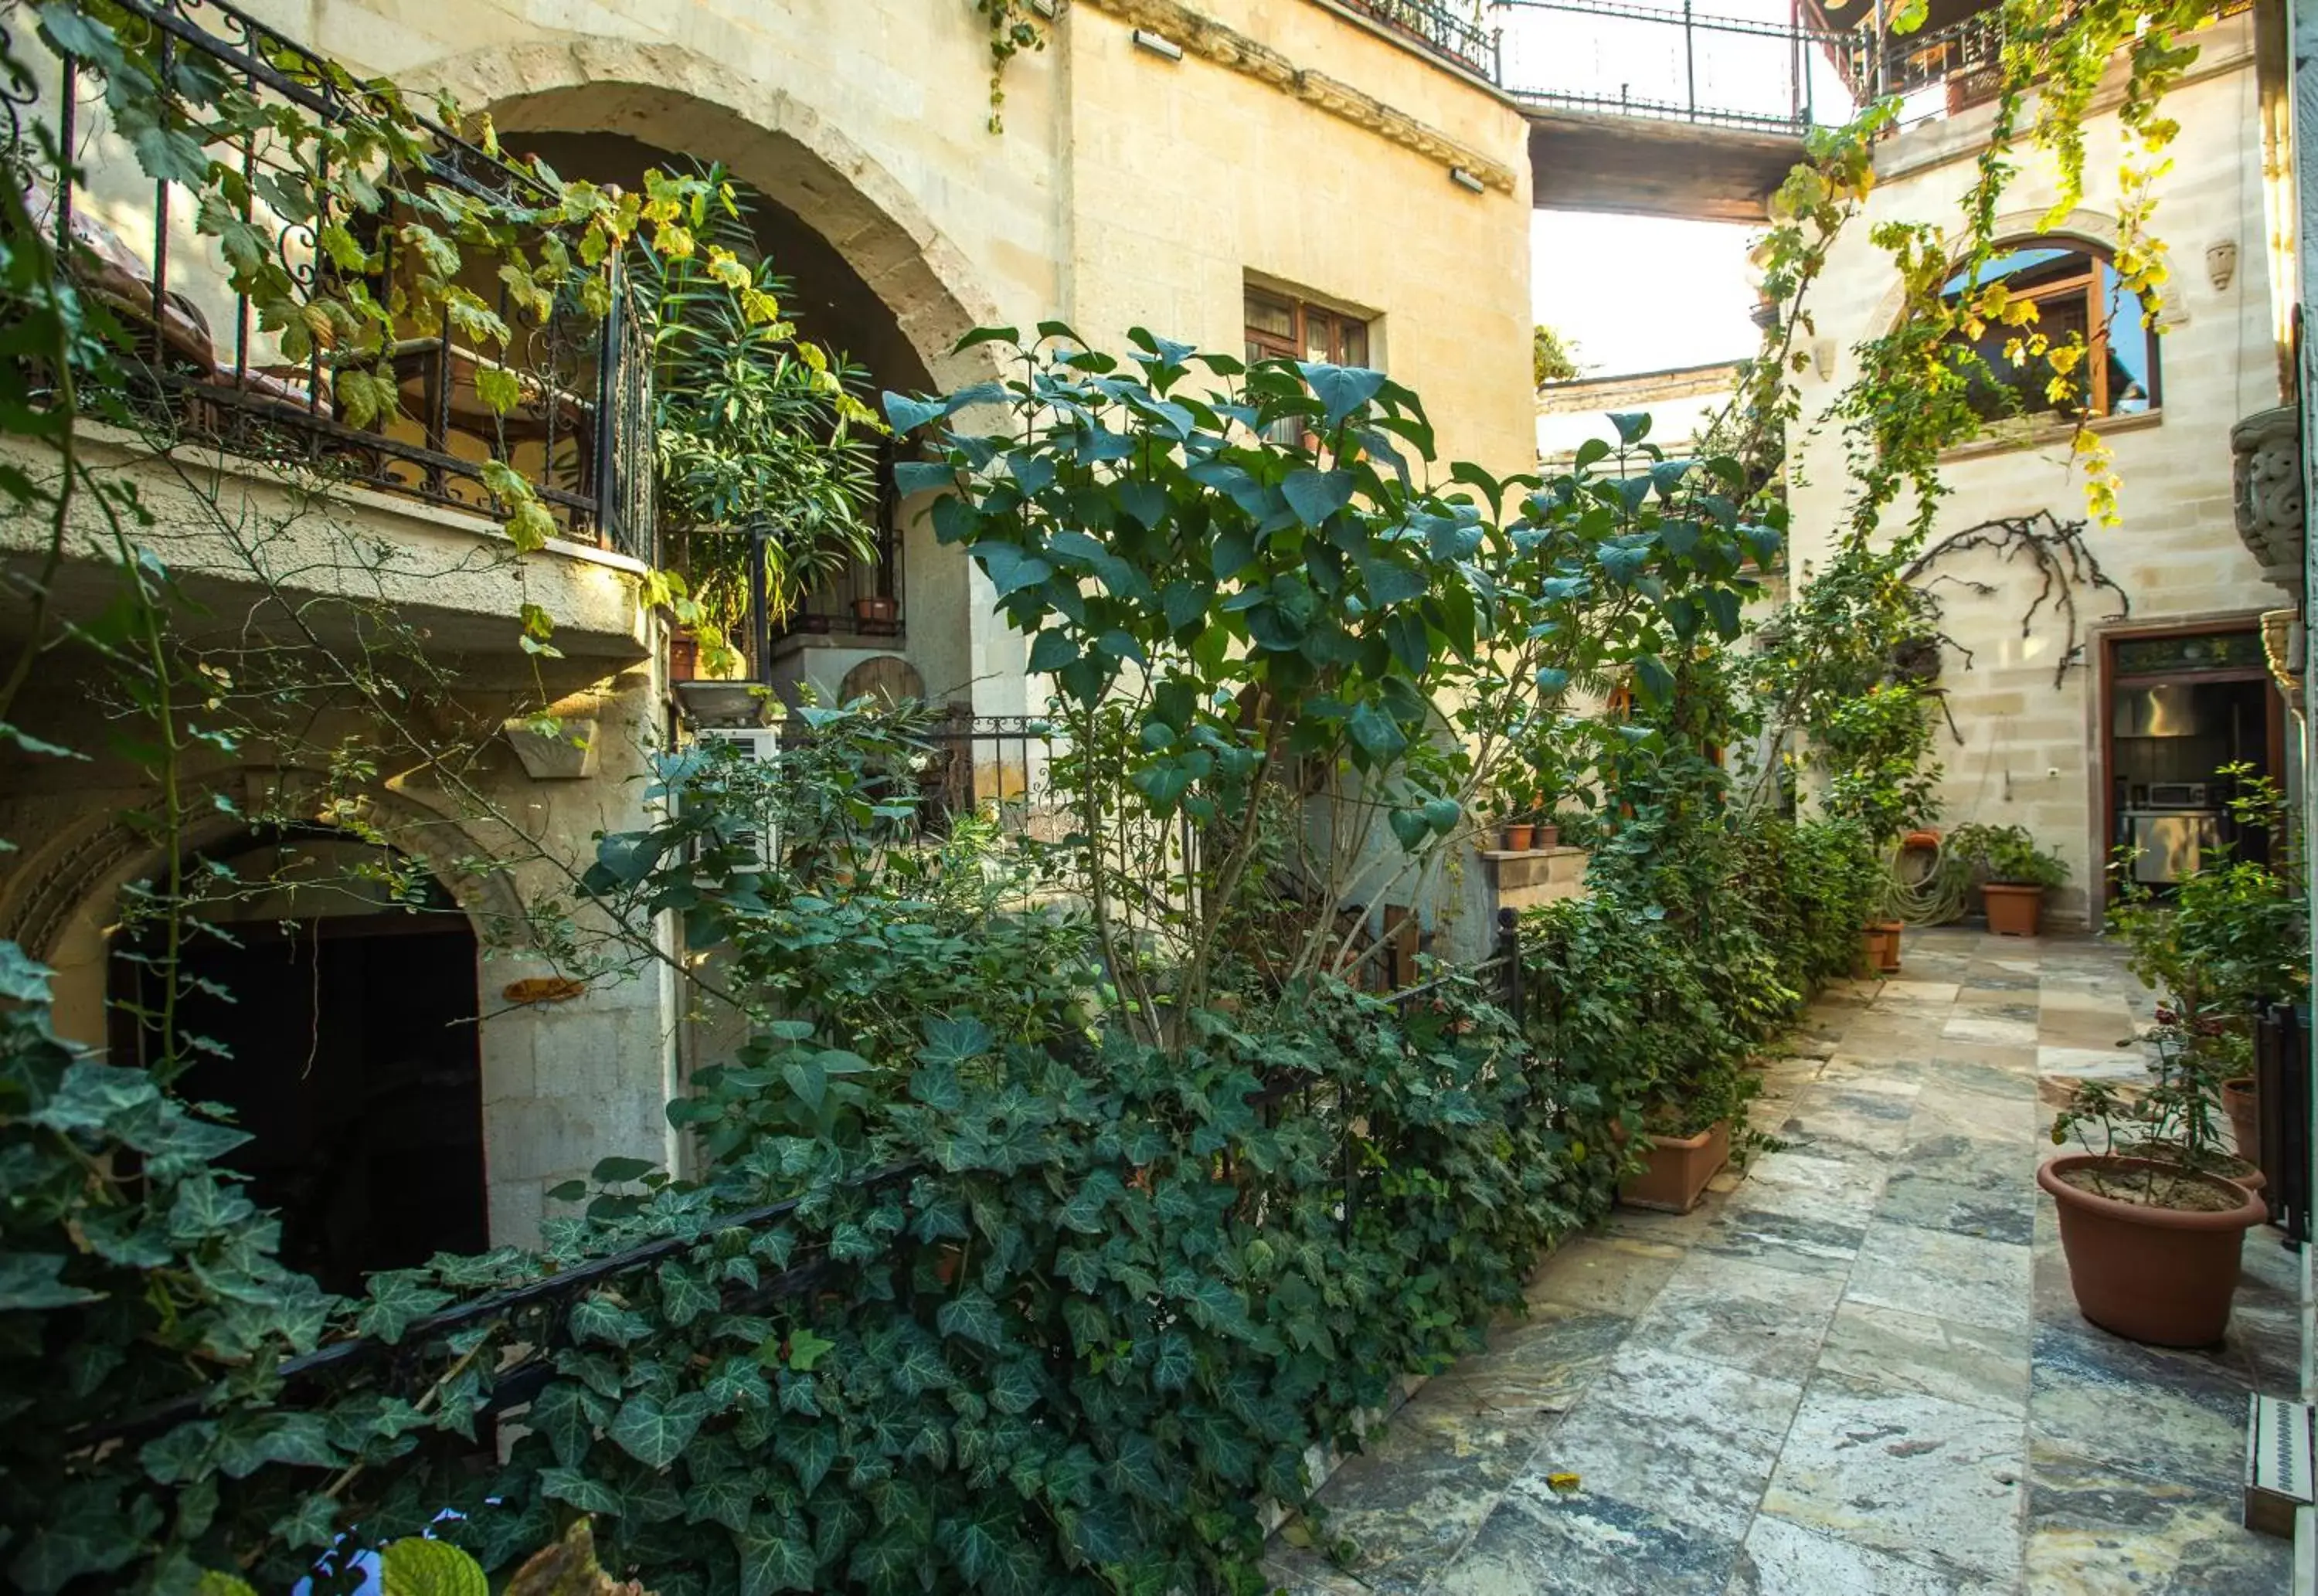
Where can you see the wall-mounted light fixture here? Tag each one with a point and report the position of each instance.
(1822, 354)
(1158, 44)
(1467, 181)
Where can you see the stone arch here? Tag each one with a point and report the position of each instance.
(677, 99)
(2080, 226)
(59, 904)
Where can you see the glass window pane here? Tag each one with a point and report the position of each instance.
(2131, 352)
(1268, 315)
(1356, 343)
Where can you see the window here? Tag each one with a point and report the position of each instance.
(2078, 297)
(1282, 329)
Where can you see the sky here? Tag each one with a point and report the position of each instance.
(1641, 293)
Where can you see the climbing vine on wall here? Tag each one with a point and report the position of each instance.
(1015, 26)
(2066, 566)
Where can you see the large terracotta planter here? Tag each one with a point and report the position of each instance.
(2013, 910)
(1518, 839)
(2163, 1276)
(2244, 1109)
(1679, 1168)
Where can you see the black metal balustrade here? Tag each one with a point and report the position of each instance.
(1667, 63)
(205, 371)
(1437, 28)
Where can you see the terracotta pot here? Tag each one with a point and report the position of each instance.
(2163, 1276)
(2243, 1106)
(2012, 911)
(878, 610)
(1548, 834)
(1517, 838)
(1679, 1168)
(1887, 948)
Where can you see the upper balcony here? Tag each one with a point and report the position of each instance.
(398, 406)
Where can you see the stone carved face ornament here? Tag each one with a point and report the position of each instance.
(2267, 491)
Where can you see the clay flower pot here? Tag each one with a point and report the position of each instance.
(2013, 910)
(2162, 1275)
(2244, 1108)
(1679, 1168)
(1518, 839)
(877, 611)
(1548, 834)
(1887, 945)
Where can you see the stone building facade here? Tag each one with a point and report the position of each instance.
(2064, 730)
(1160, 164)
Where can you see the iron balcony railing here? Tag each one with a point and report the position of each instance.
(1663, 62)
(1437, 28)
(205, 370)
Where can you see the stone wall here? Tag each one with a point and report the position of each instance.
(2032, 751)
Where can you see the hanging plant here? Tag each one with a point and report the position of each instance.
(1015, 26)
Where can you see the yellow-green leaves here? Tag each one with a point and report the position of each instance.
(419, 1567)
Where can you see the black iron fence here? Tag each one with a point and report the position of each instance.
(436, 415)
(1665, 62)
(1438, 29)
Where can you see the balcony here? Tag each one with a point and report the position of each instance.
(559, 394)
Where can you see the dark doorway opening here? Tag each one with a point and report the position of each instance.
(343, 1014)
(2182, 707)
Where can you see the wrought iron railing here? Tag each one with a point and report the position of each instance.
(1663, 62)
(205, 369)
(1437, 28)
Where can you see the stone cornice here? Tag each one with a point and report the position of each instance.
(1211, 40)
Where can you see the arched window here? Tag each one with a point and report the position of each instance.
(2078, 297)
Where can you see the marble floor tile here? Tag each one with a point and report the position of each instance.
(1783, 1559)
(1586, 1545)
(1859, 1071)
(1742, 1314)
(2173, 1415)
(1969, 1364)
(1907, 987)
(1539, 1366)
(2092, 1063)
(2098, 1531)
(1970, 1279)
(1943, 1110)
(1830, 1122)
(1781, 1240)
(1928, 1481)
(1693, 1440)
(1827, 1191)
(1967, 1026)
(1857, 1367)
(1297, 1571)
(1972, 1160)
(1608, 1274)
(1998, 1211)
(1972, 1075)
(1421, 1488)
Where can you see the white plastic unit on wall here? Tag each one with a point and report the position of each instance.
(758, 745)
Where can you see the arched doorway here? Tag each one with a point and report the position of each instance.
(332, 985)
(909, 601)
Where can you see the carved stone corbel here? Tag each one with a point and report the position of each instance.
(2266, 490)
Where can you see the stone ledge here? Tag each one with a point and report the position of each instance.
(1211, 40)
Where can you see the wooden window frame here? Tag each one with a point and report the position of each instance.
(2086, 285)
(1263, 345)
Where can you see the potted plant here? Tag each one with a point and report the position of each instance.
(1517, 836)
(2015, 875)
(2152, 1242)
(877, 609)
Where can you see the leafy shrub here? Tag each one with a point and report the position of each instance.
(2006, 855)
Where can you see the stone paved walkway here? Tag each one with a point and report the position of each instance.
(1857, 1371)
